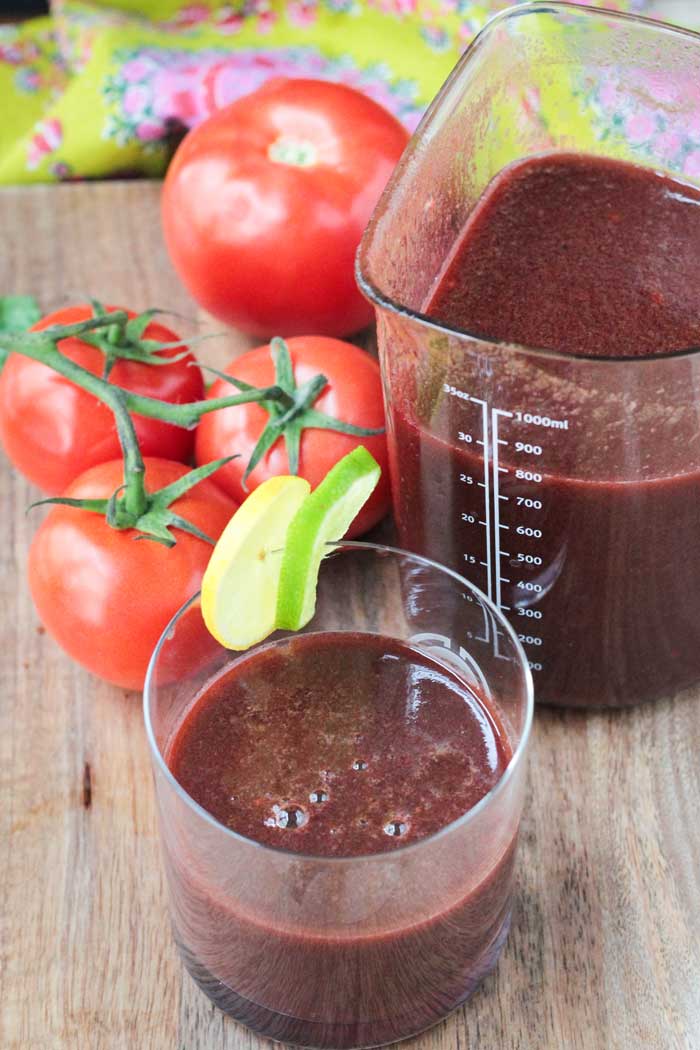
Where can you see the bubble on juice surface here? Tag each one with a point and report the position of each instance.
(395, 827)
(359, 764)
(290, 816)
(318, 796)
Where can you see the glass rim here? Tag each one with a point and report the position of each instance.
(378, 298)
(465, 818)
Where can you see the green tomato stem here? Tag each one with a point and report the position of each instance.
(41, 346)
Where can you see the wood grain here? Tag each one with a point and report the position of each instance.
(604, 952)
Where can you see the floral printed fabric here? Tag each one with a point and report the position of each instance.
(99, 90)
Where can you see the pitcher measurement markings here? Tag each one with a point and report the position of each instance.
(521, 532)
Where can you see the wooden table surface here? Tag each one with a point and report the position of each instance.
(604, 952)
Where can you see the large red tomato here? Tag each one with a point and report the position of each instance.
(265, 202)
(106, 597)
(52, 430)
(353, 394)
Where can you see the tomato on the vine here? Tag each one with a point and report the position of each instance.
(52, 430)
(353, 394)
(105, 596)
(265, 202)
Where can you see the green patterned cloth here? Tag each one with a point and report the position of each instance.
(96, 90)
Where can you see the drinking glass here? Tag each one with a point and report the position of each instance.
(362, 950)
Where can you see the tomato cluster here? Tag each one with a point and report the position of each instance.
(263, 208)
(102, 596)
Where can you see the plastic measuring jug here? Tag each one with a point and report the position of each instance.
(566, 487)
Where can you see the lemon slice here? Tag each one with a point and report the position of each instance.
(324, 516)
(240, 583)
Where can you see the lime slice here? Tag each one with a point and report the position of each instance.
(239, 587)
(323, 517)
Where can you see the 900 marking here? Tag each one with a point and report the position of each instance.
(532, 450)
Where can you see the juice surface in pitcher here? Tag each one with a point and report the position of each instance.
(599, 573)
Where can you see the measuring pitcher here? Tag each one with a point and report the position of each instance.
(565, 486)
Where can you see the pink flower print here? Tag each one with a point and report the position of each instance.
(266, 21)
(668, 144)
(640, 127)
(135, 100)
(692, 125)
(610, 96)
(47, 137)
(692, 164)
(149, 131)
(228, 21)
(61, 170)
(28, 79)
(136, 70)
(181, 97)
(301, 12)
(191, 15)
(18, 52)
(662, 87)
(532, 103)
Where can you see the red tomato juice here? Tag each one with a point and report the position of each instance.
(585, 256)
(340, 745)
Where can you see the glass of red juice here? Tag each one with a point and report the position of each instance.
(339, 806)
(535, 267)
